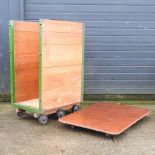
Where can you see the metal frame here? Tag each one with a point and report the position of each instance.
(11, 44)
(40, 66)
(83, 46)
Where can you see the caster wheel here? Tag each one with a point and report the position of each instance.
(72, 127)
(75, 108)
(20, 114)
(43, 119)
(60, 113)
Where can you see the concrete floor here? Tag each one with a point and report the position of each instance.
(26, 137)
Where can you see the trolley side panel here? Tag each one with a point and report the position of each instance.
(26, 60)
(61, 63)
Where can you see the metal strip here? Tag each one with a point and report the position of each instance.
(83, 45)
(12, 76)
(40, 67)
(26, 108)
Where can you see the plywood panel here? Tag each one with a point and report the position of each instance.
(26, 59)
(58, 77)
(25, 91)
(61, 63)
(60, 97)
(26, 26)
(106, 117)
(27, 38)
(22, 70)
(62, 26)
(61, 38)
(30, 103)
(58, 55)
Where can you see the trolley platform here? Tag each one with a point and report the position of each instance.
(108, 118)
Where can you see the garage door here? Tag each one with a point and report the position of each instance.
(120, 41)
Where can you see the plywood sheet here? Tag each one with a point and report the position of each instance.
(61, 96)
(57, 38)
(61, 63)
(26, 60)
(62, 26)
(106, 117)
(61, 55)
(27, 90)
(60, 45)
(58, 77)
(30, 103)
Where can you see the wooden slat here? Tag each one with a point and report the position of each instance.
(26, 59)
(61, 38)
(58, 55)
(60, 97)
(58, 77)
(26, 26)
(106, 117)
(23, 70)
(62, 26)
(26, 91)
(31, 103)
(26, 41)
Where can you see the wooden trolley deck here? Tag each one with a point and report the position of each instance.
(109, 118)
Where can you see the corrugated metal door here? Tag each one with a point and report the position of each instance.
(9, 9)
(120, 41)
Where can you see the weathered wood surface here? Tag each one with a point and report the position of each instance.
(106, 117)
(59, 55)
(26, 60)
(61, 63)
(31, 103)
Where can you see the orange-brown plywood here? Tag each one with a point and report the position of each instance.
(30, 103)
(61, 63)
(24, 91)
(61, 96)
(62, 26)
(106, 117)
(61, 55)
(61, 38)
(26, 60)
(56, 77)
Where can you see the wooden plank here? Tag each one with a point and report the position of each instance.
(26, 90)
(23, 70)
(61, 38)
(31, 103)
(56, 77)
(106, 117)
(62, 26)
(26, 59)
(61, 86)
(23, 40)
(58, 55)
(60, 97)
(61, 63)
(26, 26)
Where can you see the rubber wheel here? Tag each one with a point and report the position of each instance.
(60, 113)
(43, 119)
(20, 114)
(75, 108)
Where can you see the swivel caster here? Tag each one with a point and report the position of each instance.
(75, 108)
(20, 114)
(43, 119)
(60, 113)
